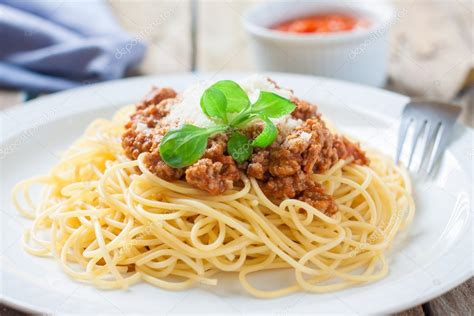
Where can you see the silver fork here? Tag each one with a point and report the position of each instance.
(434, 119)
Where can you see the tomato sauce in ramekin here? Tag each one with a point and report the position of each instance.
(322, 23)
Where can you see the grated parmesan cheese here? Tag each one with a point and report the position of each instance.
(305, 136)
(141, 127)
(287, 123)
(188, 109)
(256, 83)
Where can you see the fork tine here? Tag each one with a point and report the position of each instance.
(402, 133)
(419, 127)
(444, 132)
(432, 131)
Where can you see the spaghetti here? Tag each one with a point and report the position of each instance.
(109, 221)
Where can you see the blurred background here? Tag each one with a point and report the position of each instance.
(52, 45)
(430, 43)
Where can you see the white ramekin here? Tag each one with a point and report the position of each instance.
(359, 56)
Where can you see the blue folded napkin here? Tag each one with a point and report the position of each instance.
(47, 46)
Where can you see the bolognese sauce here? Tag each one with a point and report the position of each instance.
(284, 169)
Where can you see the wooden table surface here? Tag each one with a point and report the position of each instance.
(206, 35)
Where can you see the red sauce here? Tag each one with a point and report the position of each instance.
(322, 23)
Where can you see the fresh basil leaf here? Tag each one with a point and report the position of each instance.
(267, 136)
(184, 146)
(237, 99)
(214, 104)
(272, 105)
(239, 147)
(242, 119)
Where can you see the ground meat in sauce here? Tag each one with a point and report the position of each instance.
(347, 149)
(148, 112)
(155, 96)
(304, 110)
(215, 172)
(283, 169)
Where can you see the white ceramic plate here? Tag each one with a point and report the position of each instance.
(434, 255)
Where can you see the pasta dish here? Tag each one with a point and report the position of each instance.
(227, 176)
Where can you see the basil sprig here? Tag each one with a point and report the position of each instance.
(227, 105)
